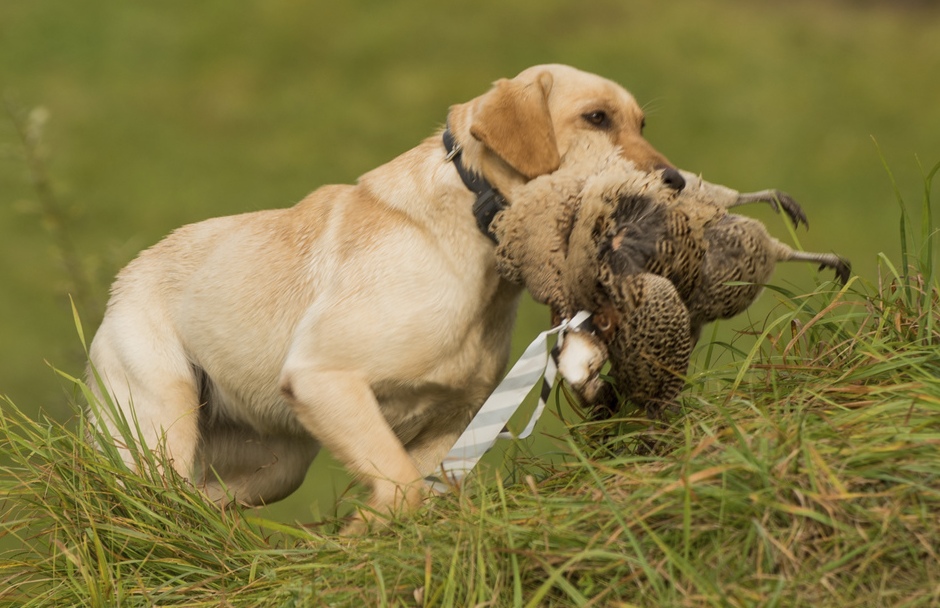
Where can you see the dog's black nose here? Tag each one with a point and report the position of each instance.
(673, 179)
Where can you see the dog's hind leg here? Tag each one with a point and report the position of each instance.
(154, 392)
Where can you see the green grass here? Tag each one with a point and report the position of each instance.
(805, 473)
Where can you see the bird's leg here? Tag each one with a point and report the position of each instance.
(840, 265)
(777, 200)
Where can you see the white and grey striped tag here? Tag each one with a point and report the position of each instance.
(490, 422)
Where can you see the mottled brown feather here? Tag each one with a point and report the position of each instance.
(653, 265)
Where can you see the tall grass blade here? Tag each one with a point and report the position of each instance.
(904, 221)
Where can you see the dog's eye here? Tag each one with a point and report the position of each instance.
(598, 118)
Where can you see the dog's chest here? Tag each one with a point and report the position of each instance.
(460, 379)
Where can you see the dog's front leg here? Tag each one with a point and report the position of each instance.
(340, 410)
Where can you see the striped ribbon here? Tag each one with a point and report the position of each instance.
(490, 422)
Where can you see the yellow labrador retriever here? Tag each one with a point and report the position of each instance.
(368, 319)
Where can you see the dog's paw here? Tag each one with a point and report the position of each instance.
(356, 526)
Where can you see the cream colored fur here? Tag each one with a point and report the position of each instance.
(368, 319)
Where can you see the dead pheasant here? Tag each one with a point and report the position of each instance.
(652, 265)
(718, 261)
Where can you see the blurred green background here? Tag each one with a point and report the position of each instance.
(167, 113)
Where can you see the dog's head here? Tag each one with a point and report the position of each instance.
(531, 124)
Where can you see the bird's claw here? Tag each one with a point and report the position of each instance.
(778, 201)
(842, 268)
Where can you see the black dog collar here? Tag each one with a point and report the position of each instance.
(489, 201)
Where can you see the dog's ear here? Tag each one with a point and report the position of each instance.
(513, 121)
